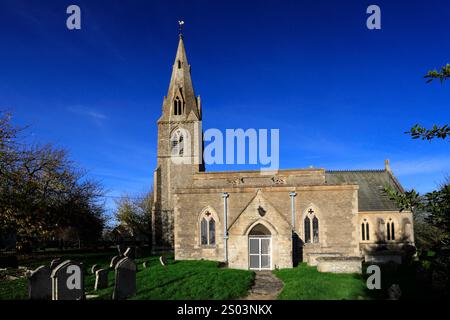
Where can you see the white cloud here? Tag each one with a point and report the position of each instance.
(440, 164)
(87, 112)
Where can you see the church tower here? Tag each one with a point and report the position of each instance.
(180, 147)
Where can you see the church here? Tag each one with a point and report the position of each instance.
(334, 220)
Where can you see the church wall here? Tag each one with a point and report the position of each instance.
(296, 177)
(335, 206)
(377, 220)
(188, 211)
(336, 209)
(273, 219)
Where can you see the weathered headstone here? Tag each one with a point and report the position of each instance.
(40, 284)
(163, 261)
(120, 249)
(394, 292)
(68, 281)
(94, 268)
(55, 263)
(101, 279)
(125, 285)
(114, 261)
(129, 253)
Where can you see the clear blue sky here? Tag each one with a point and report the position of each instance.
(341, 95)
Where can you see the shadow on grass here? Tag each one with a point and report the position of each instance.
(413, 283)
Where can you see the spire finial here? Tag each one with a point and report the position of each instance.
(387, 167)
(180, 28)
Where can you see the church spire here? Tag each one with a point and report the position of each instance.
(181, 100)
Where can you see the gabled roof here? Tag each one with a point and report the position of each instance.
(371, 184)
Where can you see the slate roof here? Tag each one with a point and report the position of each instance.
(371, 183)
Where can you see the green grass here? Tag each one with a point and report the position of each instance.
(406, 276)
(14, 290)
(306, 283)
(200, 280)
(204, 280)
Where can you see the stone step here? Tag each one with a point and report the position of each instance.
(265, 287)
(266, 284)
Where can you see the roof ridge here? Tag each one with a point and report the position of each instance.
(395, 181)
(357, 170)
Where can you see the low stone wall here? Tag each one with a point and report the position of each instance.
(311, 258)
(383, 258)
(339, 264)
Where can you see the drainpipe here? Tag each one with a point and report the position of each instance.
(225, 226)
(292, 195)
(295, 251)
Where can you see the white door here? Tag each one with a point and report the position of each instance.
(260, 250)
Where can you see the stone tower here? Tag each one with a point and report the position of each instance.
(180, 147)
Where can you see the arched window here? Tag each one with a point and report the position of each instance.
(315, 230)
(181, 145)
(177, 142)
(177, 106)
(204, 231)
(363, 232)
(212, 232)
(365, 235)
(390, 230)
(208, 230)
(307, 230)
(311, 229)
(367, 231)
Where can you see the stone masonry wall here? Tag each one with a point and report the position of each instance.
(336, 208)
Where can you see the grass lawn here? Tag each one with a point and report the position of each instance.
(204, 280)
(201, 280)
(179, 280)
(306, 283)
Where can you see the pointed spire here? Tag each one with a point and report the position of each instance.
(181, 52)
(181, 83)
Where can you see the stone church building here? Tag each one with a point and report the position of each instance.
(249, 220)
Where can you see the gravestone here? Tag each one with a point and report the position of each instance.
(68, 281)
(129, 253)
(114, 261)
(101, 279)
(120, 249)
(55, 263)
(394, 292)
(125, 285)
(94, 268)
(40, 284)
(163, 261)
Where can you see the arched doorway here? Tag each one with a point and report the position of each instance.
(260, 248)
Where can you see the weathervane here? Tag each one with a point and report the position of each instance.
(180, 28)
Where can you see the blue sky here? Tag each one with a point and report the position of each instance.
(341, 95)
